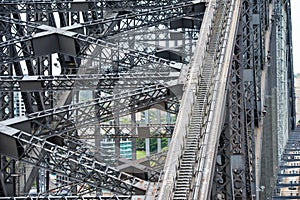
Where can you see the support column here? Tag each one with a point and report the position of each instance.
(6, 111)
(133, 140)
(236, 122)
(159, 139)
(117, 140)
(168, 122)
(147, 140)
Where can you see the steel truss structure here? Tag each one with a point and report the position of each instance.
(89, 74)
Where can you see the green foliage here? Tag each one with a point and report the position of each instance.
(164, 143)
(140, 154)
(140, 144)
(153, 144)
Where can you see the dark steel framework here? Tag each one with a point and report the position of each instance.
(235, 176)
(133, 56)
(235, 163)
(86, 39)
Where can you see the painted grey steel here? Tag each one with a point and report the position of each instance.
(92, 21)
(135, 56)
(78, 165)
(84, 82)
(70, 198)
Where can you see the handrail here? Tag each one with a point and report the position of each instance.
(187, 103)
(202, 186)
(204, 109)
(210, 100)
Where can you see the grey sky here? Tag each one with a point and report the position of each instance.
(295, 5)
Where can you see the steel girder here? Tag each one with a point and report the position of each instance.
(150, 166)
(162, 33)
(110, 59)
(6, 102)
(69, 198)
(81, 114)
(237, 129)
(23, 47)
(7, 180)
(125, 22)
(34, 101)
(90, 10)
(244, 99)
(145, 18)
(103, 82)
(282, 93)
(94, 52)
(7, 167)
(258, 31)
(291, 88)
(90, 7)
(128, 131)
(6, 112)
(76, 164)
(64, 126)
(250, 18)
(163, 38)
(238, 167)
(282, 97)
(221, 187)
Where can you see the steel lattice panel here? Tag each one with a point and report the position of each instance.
(134, 59)
(90, 72)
